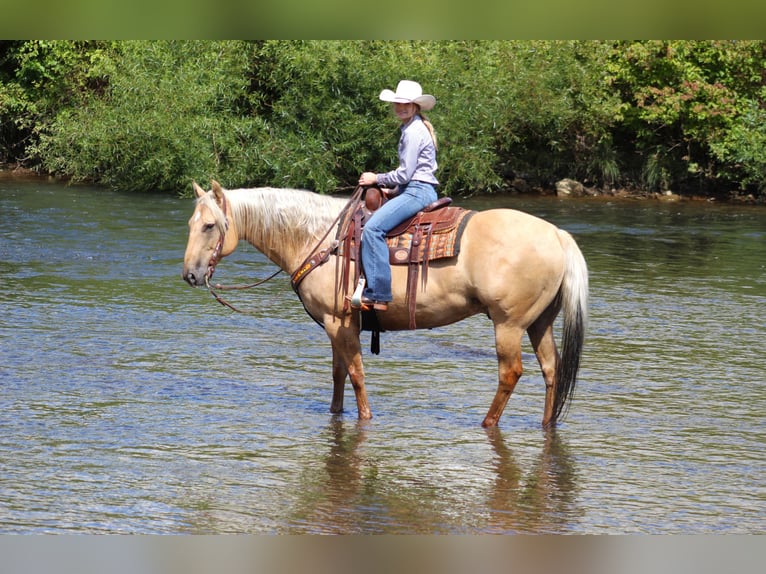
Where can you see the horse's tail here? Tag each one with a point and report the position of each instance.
(573, 295)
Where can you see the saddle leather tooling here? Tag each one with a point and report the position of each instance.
(431, 234)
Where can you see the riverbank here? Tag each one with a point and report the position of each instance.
(573, 188)
(563, 188)
(12, 172)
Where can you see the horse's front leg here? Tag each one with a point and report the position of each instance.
(339, 374)
(347, 360)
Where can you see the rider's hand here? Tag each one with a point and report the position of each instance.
(368, 178)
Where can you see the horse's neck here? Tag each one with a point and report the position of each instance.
(288, 258)
(284, 244)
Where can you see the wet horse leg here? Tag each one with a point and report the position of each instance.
(544, 343)
(347, 359)
(508, 344)
(339, 374)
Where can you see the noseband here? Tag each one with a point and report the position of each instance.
(216, 256)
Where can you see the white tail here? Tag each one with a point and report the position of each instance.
(574, 304)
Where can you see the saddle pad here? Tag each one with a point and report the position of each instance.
(443, 243)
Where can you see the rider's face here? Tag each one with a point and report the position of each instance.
(405, 111)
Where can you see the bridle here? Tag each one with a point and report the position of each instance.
(315, 258)
(216, 257)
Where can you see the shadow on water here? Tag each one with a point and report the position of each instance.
(354, 489)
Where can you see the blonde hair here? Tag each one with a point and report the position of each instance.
(430, 127)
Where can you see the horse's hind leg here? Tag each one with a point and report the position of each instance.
(508, 345)
(544, 343)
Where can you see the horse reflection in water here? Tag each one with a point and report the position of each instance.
(518, 269)
(355, 489)
(536, 502)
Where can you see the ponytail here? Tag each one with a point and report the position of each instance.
(430, 127)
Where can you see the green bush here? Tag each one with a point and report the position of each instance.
(38, 78)
(688, 107)
(168, 115)
(153, 115)
(306, 113)
(742, 151)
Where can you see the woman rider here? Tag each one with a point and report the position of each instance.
(417, 189)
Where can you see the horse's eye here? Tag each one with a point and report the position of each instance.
(208, 226)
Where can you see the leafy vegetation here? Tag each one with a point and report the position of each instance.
(686, 116)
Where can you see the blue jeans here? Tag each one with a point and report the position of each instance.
(377, 269)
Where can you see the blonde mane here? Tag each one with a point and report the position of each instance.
(292, 219)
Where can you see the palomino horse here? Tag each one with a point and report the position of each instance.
(518, 269)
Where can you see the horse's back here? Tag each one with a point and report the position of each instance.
(508, 219)
(503, 233)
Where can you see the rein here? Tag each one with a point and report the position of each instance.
(315, 258)
(216, 257)
(220, 287)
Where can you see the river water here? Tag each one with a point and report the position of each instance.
(130, 403)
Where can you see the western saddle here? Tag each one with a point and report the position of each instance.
(433, 233)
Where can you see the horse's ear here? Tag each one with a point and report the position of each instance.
(198, 191)
(217, 191)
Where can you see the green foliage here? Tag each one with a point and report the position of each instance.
(318, 100)
(168, 115)
(557, 112)
(152, 115)
(37, 78)
(683, 104)
(742, 151)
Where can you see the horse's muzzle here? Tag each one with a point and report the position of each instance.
(192, 278)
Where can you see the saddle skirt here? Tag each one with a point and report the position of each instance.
(428, 236)
(431, 234)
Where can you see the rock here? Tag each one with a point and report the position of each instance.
(520, 185)
(569, 188)
(670, 196)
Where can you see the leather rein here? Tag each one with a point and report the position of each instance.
(314, 259)
(216, 257)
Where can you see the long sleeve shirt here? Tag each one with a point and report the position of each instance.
(417, 156)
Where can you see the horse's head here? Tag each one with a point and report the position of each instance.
(211, 235)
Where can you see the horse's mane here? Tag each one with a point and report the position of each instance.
(294, 217)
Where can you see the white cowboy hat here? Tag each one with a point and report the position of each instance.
(409, 92)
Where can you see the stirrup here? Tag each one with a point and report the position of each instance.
(365, 304)
(356, 298)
